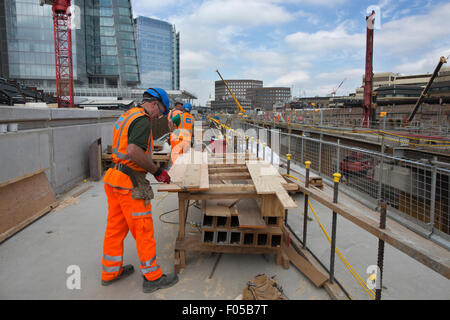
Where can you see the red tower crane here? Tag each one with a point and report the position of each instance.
(63, 51)
(367, 103)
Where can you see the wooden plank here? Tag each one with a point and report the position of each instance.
(177, 172)
(28, 175)
(260, 180)
(227, 170)
(213, 208)
(23, 201)
(95, 160)
(267, 181)
(204, 179)
(249, 214)
(333, 290)
(231, 176)
(318, 278)
(285, 199)
(194, 243)
(192, 176)
(271, 206)
(8, 233)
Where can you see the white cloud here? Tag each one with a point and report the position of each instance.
(291, 78)
(413, 33)
(236, 12)
(224, 34)
(325, 40)
(425, 64)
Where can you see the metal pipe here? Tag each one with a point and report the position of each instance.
(380, 260)
(433, 197)
(305, 208)
(337, 177)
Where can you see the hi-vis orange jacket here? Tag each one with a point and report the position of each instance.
(114, 177)
(184, 130)
(173, 113)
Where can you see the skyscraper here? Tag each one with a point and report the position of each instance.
(158, 53)
(110, 44)
(103, 43)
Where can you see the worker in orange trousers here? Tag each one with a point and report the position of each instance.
(181, 137)
(129, 194)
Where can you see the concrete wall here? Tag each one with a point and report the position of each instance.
(57, 139)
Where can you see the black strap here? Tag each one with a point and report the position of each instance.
(128, 171)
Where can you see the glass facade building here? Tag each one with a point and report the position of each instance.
(111, 58)
(158, 53)
(103, 43)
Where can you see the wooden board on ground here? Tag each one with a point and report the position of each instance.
(95, 160)
(317, 277)
(24, 200)
(249, 214)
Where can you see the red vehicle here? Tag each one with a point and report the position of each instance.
(356, 164)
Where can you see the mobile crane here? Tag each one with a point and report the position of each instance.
(232, 94)
(408, 120)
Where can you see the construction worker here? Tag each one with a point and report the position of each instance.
(129, 193)
(178, 109)
(181, 137)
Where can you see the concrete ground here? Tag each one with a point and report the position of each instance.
(37, 262)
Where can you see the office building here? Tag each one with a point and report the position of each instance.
(224, 100)
(103, 44)
(158, 47)
(269, 98)
(111, 58)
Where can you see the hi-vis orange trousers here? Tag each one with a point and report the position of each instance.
(128, 214)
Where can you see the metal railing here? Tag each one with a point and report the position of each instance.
(414, 191)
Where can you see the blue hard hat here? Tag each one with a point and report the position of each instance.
(161, 95)
(187, 106)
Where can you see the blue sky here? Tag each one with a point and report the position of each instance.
(308, 45)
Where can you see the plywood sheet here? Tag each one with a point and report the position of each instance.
(23, 201)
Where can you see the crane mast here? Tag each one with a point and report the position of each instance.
(63, 51)
(367, 103)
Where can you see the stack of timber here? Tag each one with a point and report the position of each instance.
(244, 202)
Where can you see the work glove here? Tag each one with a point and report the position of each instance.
(161, 175)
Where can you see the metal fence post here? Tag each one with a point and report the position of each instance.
(338, 155)
(380, 260)
(305, 208)
(336, 176)
(301, 153)
(433, 195)
(380, 175)
(320, 155)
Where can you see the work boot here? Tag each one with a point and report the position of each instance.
(166, 281)
(126, 271)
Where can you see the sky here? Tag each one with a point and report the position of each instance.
(310, 46)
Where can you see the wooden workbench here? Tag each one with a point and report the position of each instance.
(242, 210)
